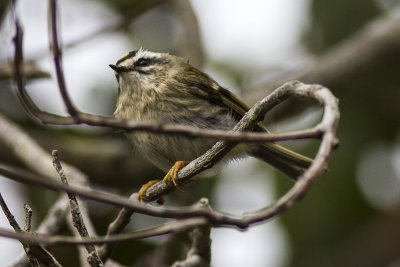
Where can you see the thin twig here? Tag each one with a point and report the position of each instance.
(34, 252)
(14, 224)
(57, 57)
(116, 227)
(10, 217)
(28, 218)
(199, 255)
(50, 225)
(79, 224)
(178, 226)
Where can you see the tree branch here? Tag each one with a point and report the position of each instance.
(327, 127)
(79, 224)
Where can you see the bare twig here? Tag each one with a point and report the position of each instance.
(50, 225)
(116, 227)
(79, 224)
(34, 252)
(173, 227)
(57, 56)
(29, 68)
(28, 218)
(14, 224)
(199, 255)
(10, 217)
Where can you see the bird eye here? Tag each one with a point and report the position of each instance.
(142, 62)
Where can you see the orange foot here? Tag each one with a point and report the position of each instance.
(173, 172)
(144, 188)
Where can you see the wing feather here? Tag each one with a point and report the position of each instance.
(202, 85)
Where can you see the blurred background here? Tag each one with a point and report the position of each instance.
(350, 217)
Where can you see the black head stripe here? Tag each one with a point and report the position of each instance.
(126, 56)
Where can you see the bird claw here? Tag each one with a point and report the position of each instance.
(173, 173)
(144, 188)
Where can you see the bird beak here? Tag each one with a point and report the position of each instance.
(121, 69)
(116, 68)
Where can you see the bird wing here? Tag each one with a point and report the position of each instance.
(289, 162)
(212, 91)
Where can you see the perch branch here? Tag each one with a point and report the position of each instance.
(327, 127)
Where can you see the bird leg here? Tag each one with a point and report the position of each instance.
(173, 172)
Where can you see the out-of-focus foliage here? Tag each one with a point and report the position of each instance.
(336, 225)
(333, 21)
(129, 10)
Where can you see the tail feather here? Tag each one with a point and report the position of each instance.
(289, 162)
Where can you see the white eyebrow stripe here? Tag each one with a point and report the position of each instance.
(141, 53)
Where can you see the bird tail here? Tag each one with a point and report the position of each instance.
(289, 162)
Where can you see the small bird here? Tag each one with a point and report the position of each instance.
(160, 87)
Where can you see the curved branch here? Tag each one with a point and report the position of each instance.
(327, 126)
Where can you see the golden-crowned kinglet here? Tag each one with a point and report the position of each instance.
(165, 88)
